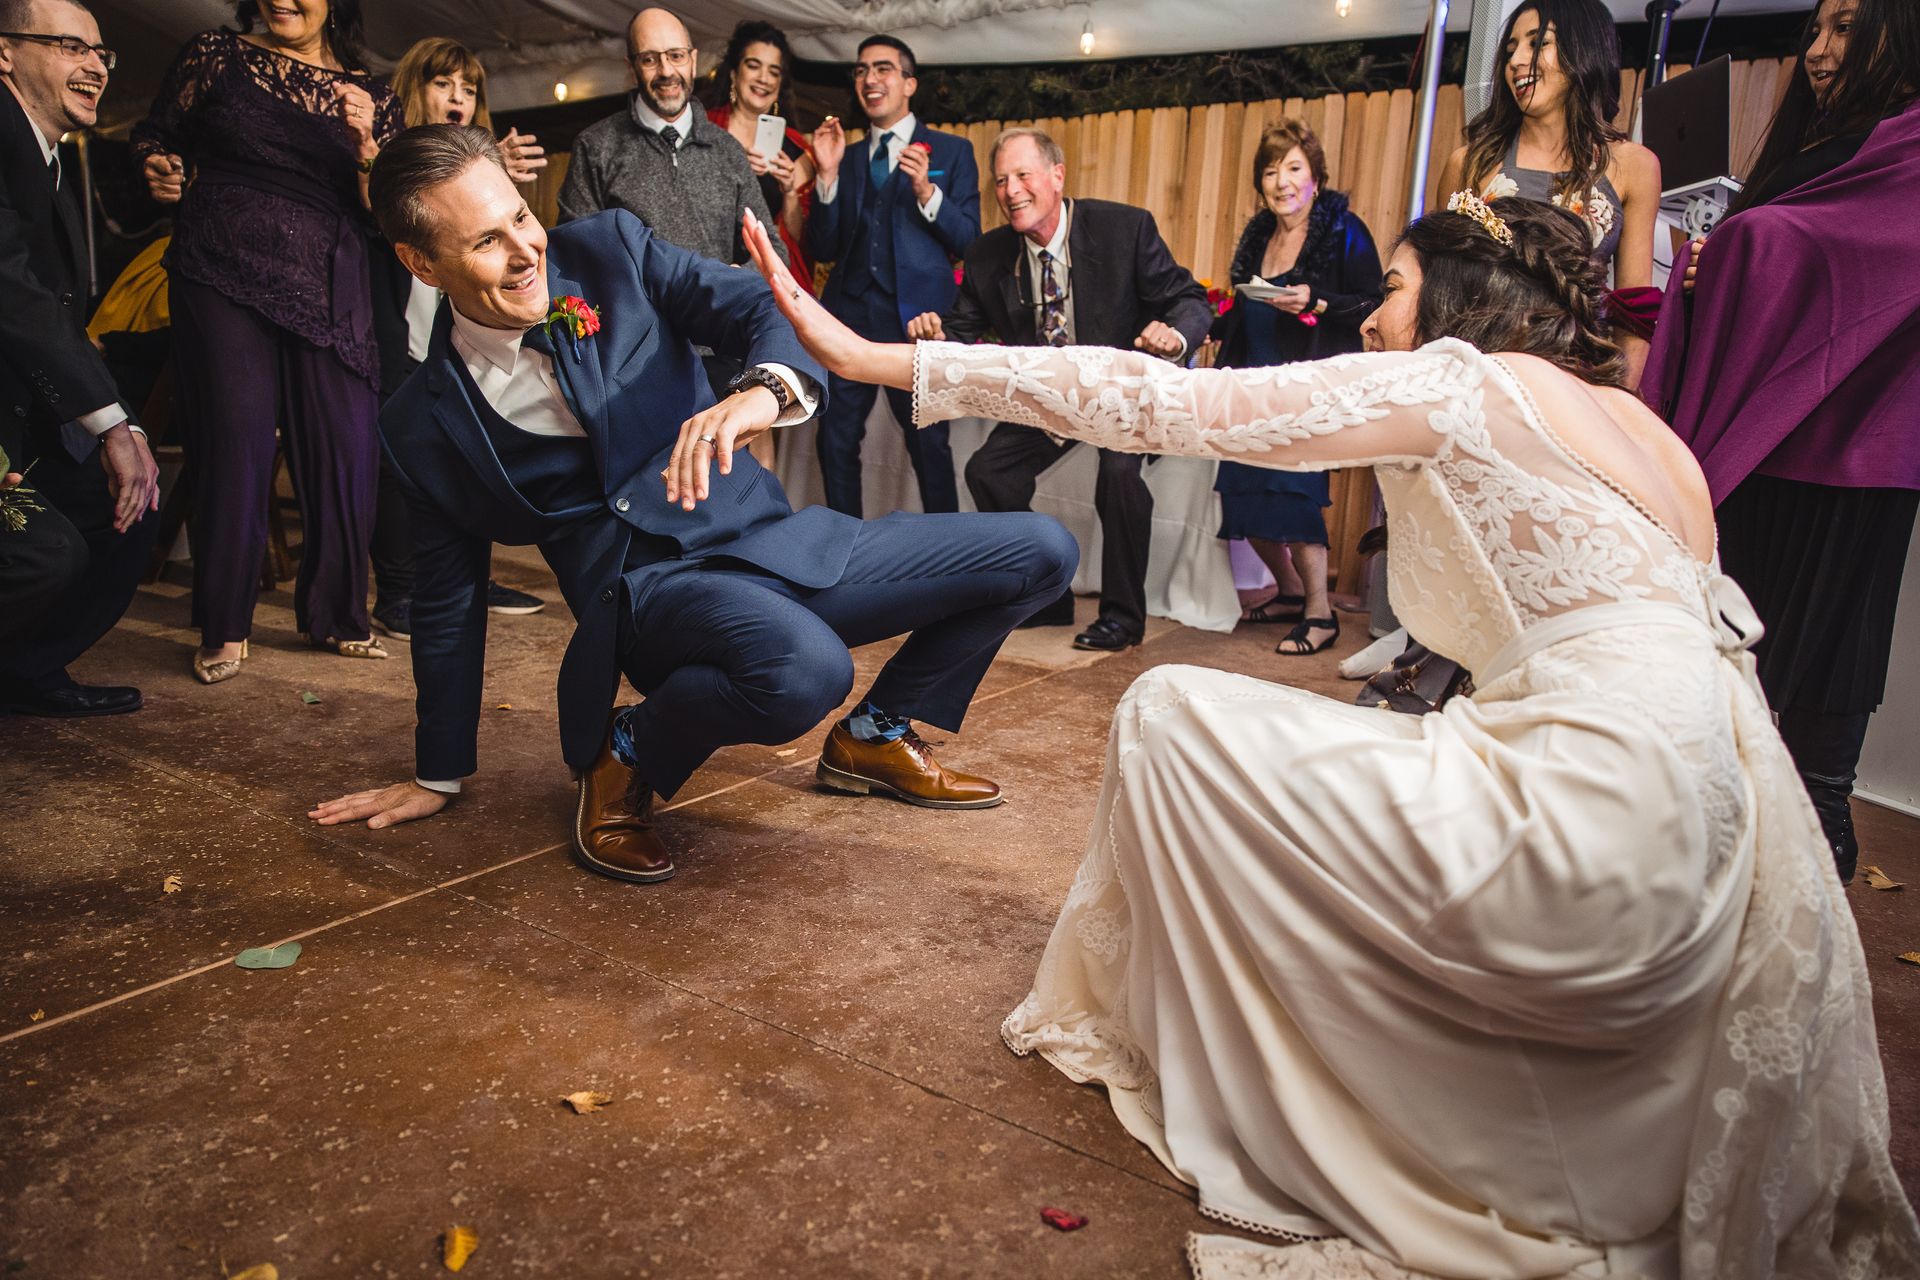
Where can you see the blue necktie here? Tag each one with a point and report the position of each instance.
(877, 167)
(538, 338)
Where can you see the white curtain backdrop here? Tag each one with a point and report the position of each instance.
(1189, 574)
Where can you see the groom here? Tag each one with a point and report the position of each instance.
(729, 610)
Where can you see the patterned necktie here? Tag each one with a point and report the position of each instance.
(671, 136)
(1053, 304)
(877, 166)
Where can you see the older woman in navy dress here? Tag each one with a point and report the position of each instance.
(1308, 242)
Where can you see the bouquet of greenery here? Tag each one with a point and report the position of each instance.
(15, 500)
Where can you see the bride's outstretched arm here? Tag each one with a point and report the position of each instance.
(1381, 408)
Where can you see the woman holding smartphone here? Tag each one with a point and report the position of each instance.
(755, 73)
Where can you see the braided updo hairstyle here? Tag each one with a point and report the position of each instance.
(1542, 295)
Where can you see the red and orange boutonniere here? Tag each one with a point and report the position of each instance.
(573, 317)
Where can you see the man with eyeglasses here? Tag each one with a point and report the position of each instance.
(893, 221)
(663, 160)
(80, 479)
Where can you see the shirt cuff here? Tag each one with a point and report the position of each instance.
(931, 209)
(824, 191)
(103, 420)
(804, 390)
(1179, 356)
(449, 788)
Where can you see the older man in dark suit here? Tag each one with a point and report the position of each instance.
(80, 542)
(1087, 272)
(560, 387)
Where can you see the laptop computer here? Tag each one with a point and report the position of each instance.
(1688, 123)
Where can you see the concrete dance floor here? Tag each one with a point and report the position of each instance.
(798, 1033)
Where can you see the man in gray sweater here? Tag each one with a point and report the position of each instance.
(661, 159)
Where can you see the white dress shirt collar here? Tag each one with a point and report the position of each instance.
(48, 154)
(653, 122)
(902, 132)
(475, 341)
(1057, 246)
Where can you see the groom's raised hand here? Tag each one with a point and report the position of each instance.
(716, 433)
(401, 802)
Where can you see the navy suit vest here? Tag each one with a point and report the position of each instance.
(871, 265)
(555, 474)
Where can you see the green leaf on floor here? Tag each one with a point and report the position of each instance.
(279, 957)
(309, 697)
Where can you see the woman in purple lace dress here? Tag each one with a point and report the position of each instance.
(264, 137)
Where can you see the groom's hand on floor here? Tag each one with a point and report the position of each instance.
(716, 433)
(401, 802)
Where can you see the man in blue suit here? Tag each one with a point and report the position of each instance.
(892, 222)
(560, 388)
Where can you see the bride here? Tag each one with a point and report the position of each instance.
(1557, 981)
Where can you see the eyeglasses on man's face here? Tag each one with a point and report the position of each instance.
(649, 59)
(875, 71)
(72, 46)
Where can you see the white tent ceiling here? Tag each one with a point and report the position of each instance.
(528, 45)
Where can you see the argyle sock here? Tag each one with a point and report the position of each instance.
(869, 723)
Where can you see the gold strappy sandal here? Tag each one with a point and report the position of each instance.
(220, 668)
(368, 648)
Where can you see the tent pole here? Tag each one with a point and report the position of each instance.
(1423, 118)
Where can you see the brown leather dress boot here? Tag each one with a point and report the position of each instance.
(904, 768)
(613, 831)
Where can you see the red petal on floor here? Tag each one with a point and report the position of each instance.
(1061, 1220)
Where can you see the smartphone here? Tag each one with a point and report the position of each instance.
(769, 135)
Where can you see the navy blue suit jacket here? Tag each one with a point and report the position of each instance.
(923, 252)
(631, 385)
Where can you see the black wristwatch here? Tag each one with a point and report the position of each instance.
(758, 377)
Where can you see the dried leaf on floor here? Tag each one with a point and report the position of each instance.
(457, 1245)
(788, 752)
(505, 706)
(265, 1271)
(309, 697)
(1061, 1220)
(1878, 879)
(1910, 957)
(36, 1015)
(586, 1101)
(172, 884)
(279, 957)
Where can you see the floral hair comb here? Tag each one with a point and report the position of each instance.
(1472, 206)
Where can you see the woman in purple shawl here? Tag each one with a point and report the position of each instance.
(1788, 370)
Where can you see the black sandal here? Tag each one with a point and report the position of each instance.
(1298, 637)
(1279, 608)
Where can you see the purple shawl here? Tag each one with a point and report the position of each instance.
(1801, 356)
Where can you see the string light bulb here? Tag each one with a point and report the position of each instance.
(1341, 8)
(559, 90)
(1086, 40)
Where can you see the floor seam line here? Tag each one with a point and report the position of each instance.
(101, 1005)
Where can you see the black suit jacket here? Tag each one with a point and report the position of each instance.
(49, 372)
(1121, 276)
(392, 288)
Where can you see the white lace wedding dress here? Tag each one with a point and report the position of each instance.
(1556, 981)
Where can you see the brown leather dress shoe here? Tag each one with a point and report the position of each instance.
(904, 768)
(613, 831)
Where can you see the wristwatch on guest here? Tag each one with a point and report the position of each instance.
(758, 377)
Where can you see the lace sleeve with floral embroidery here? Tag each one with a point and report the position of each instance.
(1383, 408)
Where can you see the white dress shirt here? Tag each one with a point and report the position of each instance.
(423, 304)
(520, 384)
(104, 419)
(653, 122)
(902, 133)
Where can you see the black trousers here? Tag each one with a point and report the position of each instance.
(1002, 475)
(69, 559)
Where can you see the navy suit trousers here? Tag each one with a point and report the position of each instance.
(843, 424)
(726, 653)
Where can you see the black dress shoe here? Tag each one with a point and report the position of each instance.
(1057, 614)
(1106, 635)
(506, 600)
(72, 700)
